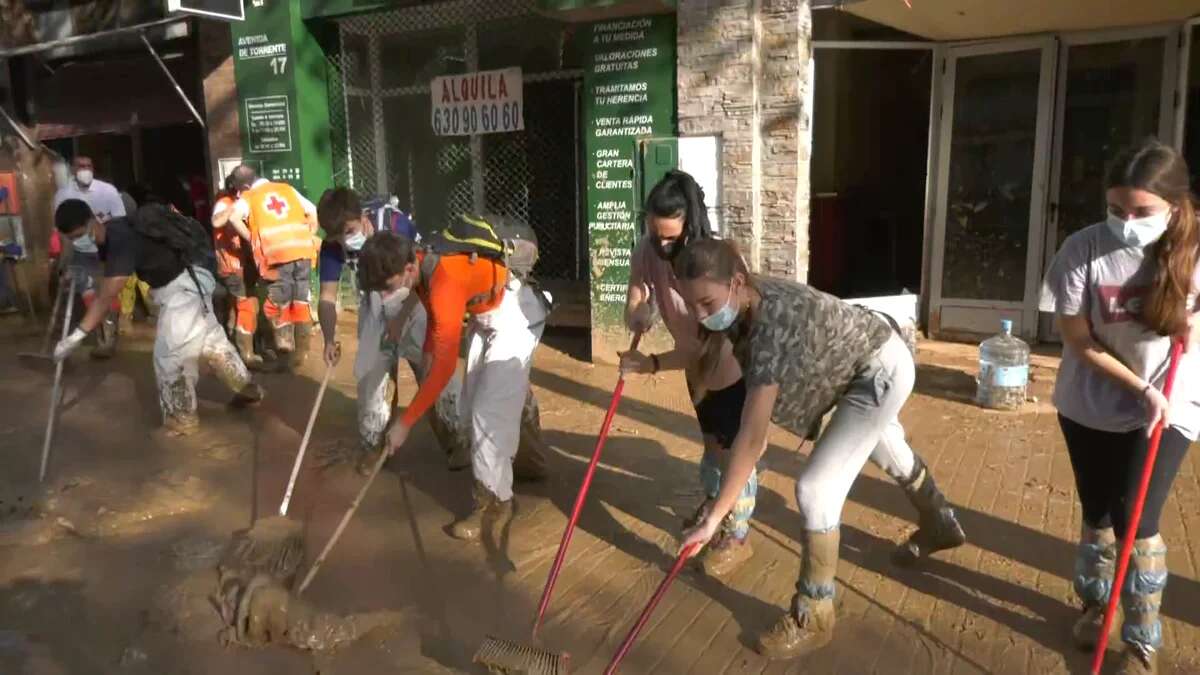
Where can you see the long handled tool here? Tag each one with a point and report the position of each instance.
(54, 393)
(548, 591)
(275, 545)
(1114, 597)
(506, 655)
(627, 644)
(337, 533)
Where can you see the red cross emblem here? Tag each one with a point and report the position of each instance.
(276, 205)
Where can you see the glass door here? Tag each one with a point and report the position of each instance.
(992, 175)
(1111, 93)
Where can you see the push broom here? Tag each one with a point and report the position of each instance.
(56, 392)
(507, 655)
(1114, 597)
(275, 545)
(627, 643)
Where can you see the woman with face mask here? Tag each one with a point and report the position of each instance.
(1121, 290)
(675, 213)
(803, 354)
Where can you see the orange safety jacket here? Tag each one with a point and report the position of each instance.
(278, 226)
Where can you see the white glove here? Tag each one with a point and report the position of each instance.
(68, 344)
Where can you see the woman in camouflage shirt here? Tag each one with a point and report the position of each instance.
(804, 353)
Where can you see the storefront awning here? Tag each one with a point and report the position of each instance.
(597, 10)
(978, 19)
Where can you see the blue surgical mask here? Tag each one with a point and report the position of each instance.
(723, 318)
(354, 242)
(1140, 232)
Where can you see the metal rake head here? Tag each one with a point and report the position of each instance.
(512, 658)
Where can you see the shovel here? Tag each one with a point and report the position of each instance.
(54, 393)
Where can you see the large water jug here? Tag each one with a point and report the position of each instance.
(1003, 370)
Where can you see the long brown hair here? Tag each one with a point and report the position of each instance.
(716, 260)
(1160, 170)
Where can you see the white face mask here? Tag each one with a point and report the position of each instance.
(84, 177)
(393, 301)
(86, 243)
(1140, 232)
(723, 318)
(354, 242)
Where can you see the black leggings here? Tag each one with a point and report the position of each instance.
(1108, 469)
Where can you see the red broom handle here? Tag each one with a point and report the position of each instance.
(641, 622)
(1114, 596)
(582, 496)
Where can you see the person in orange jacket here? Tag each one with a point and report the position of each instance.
(281, 224)
(232, 247)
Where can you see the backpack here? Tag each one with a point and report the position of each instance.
(185, 236)
(505, 240)
(386, 215)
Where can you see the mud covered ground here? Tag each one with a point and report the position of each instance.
(106, 568)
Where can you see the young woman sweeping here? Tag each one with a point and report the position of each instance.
(1122, 290)
(804, 353)
(675, 215)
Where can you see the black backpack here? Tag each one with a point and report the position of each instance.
(185, 236)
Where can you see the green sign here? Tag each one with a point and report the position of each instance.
(283, 104)
(629, 96)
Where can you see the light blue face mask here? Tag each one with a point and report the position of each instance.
(723, 318)
(355, 242)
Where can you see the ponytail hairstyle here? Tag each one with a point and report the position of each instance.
(677, 195)
(1160, 170)
(716, 260)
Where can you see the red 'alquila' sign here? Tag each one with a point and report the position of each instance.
(483, 102)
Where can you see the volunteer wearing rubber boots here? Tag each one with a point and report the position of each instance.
(803, 354)
(505, 325)
(281, 223)
(347, 223)
(675, 215)
(232, 247)
(181, 286)
(82, 261)
(1122, 290)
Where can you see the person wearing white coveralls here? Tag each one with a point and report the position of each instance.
(188, 330)
(506, 320)
(347, 222)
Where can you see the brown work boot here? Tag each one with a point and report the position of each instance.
(106, 339)
(285, 339)
(181, 425)
(937, 526)
(245, 347)
(1137, 661)
(1087, 627)
(250, 394)
(470, 527)
(724, 557)
(808, 625)
(303, 336)
(530, 462)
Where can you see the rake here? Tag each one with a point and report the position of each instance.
(509, 656)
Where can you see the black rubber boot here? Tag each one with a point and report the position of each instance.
(937, 526)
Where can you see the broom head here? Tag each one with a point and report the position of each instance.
(512, 658)
(272, 546)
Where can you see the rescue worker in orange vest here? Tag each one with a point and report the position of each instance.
(232, 246)
(282, 225)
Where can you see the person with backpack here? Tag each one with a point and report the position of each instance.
(282, 225)
(172, 254)
(675, 215)
(347, 222)
(232, 247)
(804, 353)
(477, 266)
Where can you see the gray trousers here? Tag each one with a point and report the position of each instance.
(865, 425)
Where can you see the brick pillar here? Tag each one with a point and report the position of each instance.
(744, 74)
(220, 95)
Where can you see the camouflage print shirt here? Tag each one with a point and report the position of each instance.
(809, 343)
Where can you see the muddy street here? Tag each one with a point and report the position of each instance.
(109, 566)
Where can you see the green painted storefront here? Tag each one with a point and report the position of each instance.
(337, 92)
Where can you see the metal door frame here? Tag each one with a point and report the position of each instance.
(1027, 307)
(1047, 329)
(1184, 73)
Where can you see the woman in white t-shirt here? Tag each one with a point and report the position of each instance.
(1122, 290)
